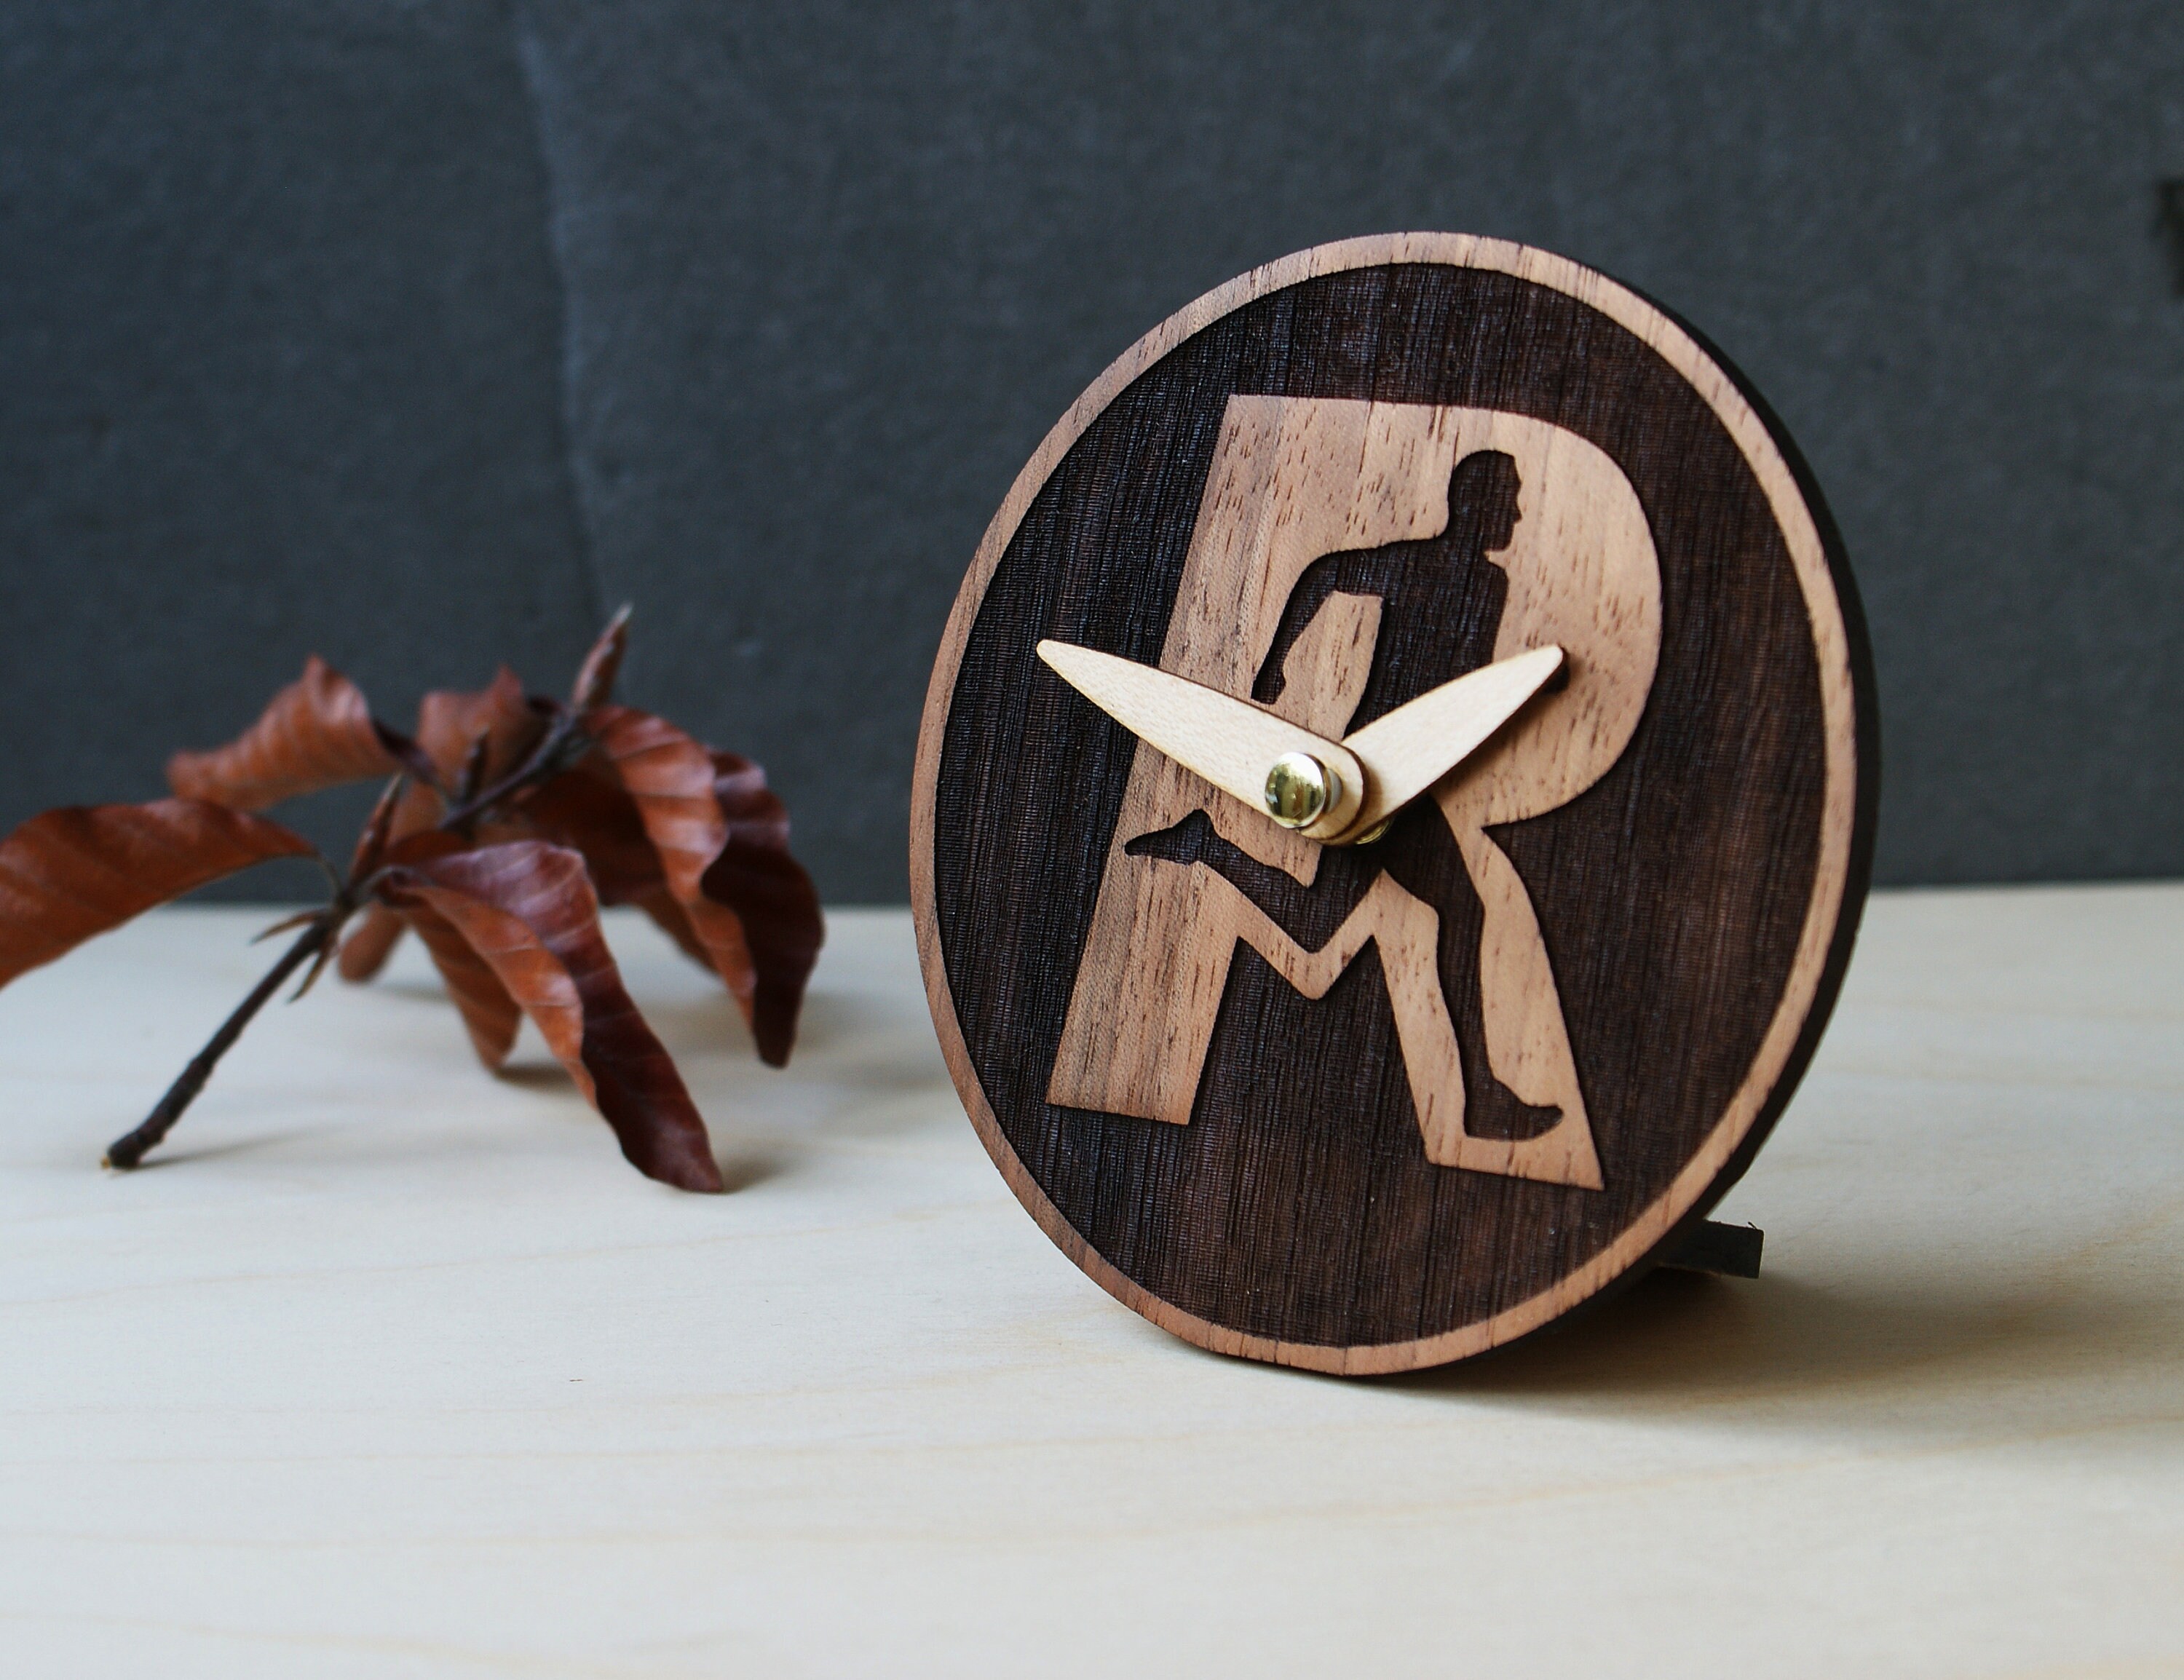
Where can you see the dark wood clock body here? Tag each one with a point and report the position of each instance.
(1238, 1144)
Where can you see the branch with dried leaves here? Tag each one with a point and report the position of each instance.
(508, 821)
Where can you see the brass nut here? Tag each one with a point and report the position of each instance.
(1300, 790)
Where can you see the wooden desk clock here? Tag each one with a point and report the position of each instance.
(1393, 805)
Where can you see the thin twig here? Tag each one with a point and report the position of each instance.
(126, 1152)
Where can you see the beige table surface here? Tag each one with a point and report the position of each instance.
(389, 1368)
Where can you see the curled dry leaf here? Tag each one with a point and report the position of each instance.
(528, 910)
(489, 1013)
(451, 722)
(587, 810)
(69, 874)
(756, 876)
(317, 733)
(676, 784)
(378, 930)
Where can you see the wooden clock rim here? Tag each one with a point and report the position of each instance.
(1844, 810)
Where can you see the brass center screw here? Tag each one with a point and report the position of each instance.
(1299, 789)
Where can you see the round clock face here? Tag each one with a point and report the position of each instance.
(1393, 803)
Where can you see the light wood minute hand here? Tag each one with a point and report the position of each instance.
(1255, 756)
(1405, 751)
(1231, 742)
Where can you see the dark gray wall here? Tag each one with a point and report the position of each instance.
(416, 334)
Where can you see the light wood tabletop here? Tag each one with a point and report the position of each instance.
(387, 1367)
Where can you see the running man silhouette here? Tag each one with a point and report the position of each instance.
(1442, 602)
(1330, 579)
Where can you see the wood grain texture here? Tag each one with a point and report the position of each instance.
(1423, 504)
(1637, 903)
(850, 1414)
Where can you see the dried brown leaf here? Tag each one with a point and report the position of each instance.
(377, 932)
(670, 776)
(489, 1013)
(718, 837)
(527, 909)
(587, 810)
(69, 874)
(380, 929)
(452, 724)
(495, 728)
(317, 733)
(756, 876)
(451, 721)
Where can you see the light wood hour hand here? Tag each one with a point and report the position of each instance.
(1301, 779)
